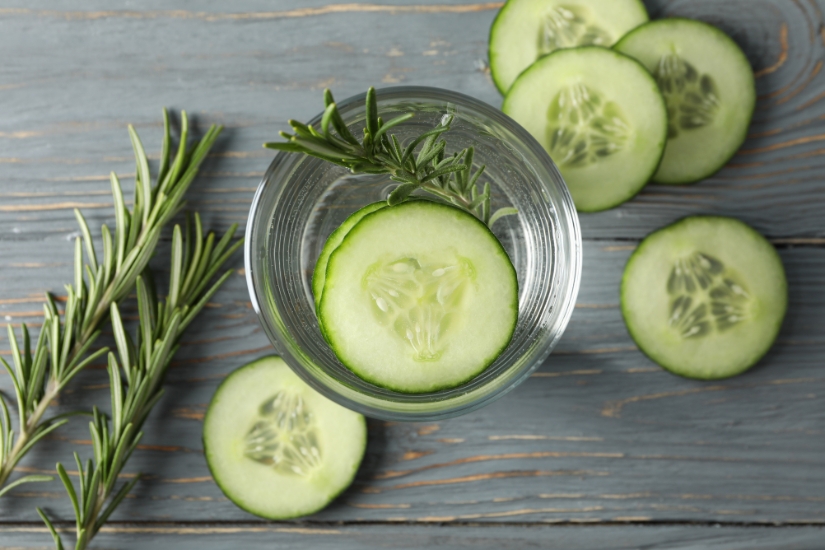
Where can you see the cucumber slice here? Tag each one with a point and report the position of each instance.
(525, 30)
(335, 238)
(600, 116)
(276, 447)
(419, 297)
(704, 297)
(710, 92)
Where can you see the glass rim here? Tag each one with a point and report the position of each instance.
(570, 232)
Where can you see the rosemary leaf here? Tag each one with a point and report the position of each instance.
(417, 141)
(287, 147)
(145, 187)
(401, 193)
(392, 123)
(372, 114)
(22, 480)
(164, 149)
(442, 171)
(326, 120)
(57, 542)
(192, 264)
(429, 153)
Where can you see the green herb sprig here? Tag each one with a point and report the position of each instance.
(62, 348)
(136, 377)
(420, 164)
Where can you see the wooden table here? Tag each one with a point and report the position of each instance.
(599, 449)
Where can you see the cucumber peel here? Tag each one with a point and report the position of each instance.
(704, 297)
(319, 275)
(709, 88)
(525, 30)
(600, 116)
(276, 447)
(419, 297)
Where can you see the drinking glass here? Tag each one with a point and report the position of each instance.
(301, 200)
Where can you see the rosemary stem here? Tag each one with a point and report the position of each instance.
(89, 527)
(437, 191)
(32, 422)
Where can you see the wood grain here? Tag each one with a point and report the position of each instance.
(598, 435)
(127, 537)
(253, 65)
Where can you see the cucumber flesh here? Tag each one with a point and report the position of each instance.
(319, 275)
(525, 30)
(704, 297)
(276, 447)
(419, 297)
(709, 88)
(600, 116)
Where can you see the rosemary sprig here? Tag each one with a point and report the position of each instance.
(62, 347)
(136, 378)
(420, 164)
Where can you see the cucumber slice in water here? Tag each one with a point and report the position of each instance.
(600, 116)
(710, 92)
(335, 238)
(276, 447)
(419, 297)
(525, 30)
(704, 297)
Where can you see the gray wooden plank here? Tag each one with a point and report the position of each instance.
(598, 434)
(417, 536)
(75, 73)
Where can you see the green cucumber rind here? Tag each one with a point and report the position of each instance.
(674, 369)
(655, 166)
(490, 55)
(330, 246)
(240, 504)
(348, 230)
(499, 86)
(744, 133)
(487, 363)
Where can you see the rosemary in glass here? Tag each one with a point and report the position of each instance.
(421, 164)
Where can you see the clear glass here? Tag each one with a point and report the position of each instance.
(301, 200)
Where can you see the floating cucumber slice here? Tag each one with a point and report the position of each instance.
(710, 92)
(600, 116)
(276, 447)
(704, 297)
(419, 297)
(335, 238)
(525, 30)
